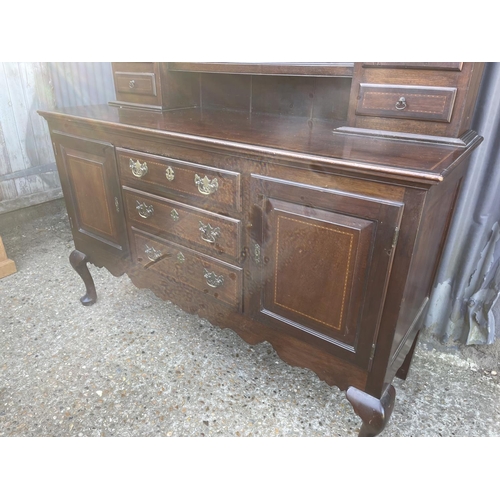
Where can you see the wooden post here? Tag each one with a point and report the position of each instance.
(7, 266)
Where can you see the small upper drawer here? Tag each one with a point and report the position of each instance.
(135, 83)
(406, 101)
(194, 182)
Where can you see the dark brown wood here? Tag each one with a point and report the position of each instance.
(172, 177)
(375, 413)
(449, 66)
(276, 138)
(407, 102)
(466, 82)
(184, 223)
(403, 370)
(250, 202)
(210, 276)
(150, 85)
(289, 69)
(135, 83)
(78, 261)
(352, 253)
(138, 84)
(91, 189)
(434, 224)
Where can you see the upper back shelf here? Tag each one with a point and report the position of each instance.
(285, 69)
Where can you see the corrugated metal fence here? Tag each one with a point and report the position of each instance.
(28, 174)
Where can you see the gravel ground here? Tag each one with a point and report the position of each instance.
(133, 365)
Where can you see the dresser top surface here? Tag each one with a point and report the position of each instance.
(280, 136)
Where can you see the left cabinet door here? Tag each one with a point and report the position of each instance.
(89, 179)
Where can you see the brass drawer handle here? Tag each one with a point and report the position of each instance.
(131, 84)
(205, 185)
(180, 258)
(138, 169)
(212, 279)
(208, 233)
(144, 210)
(152, 253)
(401, 104)
(175, 215)
(170, 174)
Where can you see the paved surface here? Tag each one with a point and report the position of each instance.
(133, 365)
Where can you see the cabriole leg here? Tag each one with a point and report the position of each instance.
(375, 413)
(79, 262)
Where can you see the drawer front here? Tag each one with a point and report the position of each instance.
(406, 101)
(135, 83)
(212, 233)
(197, 183)
(203, 273)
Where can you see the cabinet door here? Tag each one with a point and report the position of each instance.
(89, 179)
(320, 264)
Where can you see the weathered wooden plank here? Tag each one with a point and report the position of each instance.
(26, 153)
(4, 154)
(16, 155)
(23, 186)
(24, 136)
(31, 76)
(17, 89)
(28, 134)
(35, 184)
(46, 95)
(51, 180)
(39, 169)
(29, 200)
(43, 182)
(8, 190)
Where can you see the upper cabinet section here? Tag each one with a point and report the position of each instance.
(314, 91)
(433, 101)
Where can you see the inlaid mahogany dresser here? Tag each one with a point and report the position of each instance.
(305, 205)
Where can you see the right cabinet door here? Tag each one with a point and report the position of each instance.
(320, 263)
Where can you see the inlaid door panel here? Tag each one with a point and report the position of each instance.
(320, 263)
(91, 189)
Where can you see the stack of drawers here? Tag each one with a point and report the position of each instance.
(178, 239)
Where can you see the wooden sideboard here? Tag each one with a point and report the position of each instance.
(306, 205)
